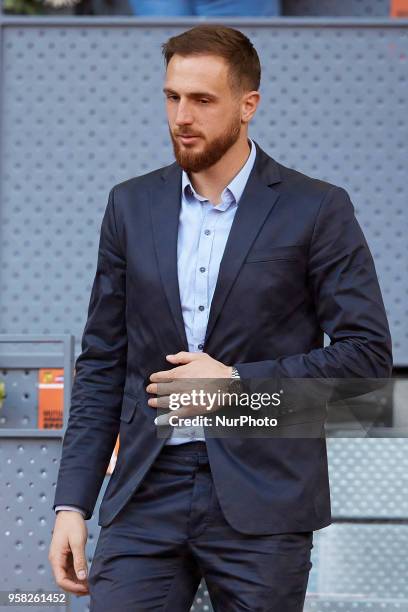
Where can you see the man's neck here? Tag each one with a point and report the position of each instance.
(211, 182)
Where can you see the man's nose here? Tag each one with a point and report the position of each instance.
(184, 115)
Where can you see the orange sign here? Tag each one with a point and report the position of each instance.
(50, 398)
(399, 8)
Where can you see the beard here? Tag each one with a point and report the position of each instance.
(195, 161)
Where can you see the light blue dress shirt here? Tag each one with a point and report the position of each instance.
(202, 234)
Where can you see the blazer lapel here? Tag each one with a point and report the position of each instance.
(256, 202)
(254, 206)
(165, 210)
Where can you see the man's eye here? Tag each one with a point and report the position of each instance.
(204, 101)
(172, 97)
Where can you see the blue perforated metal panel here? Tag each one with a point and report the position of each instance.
(83, 110)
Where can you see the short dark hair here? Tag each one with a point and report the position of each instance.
(219, 40)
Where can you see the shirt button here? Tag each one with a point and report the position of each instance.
(201, 308)
(207, 232)
(201, 346)
(202, 269)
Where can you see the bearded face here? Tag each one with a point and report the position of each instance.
(204, 110)
(201, 151)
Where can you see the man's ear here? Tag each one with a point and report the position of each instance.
(249, 105)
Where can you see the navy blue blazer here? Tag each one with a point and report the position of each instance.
(296, 265)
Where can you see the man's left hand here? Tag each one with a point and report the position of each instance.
(188, 365)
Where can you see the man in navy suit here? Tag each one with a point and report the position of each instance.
(223, 265)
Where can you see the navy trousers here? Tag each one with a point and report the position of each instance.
(172, 533)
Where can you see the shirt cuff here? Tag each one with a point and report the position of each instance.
(74, 508)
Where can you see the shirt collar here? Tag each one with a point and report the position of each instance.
(234, 190)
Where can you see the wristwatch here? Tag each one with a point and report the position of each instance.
(235, 384)
(234, 373)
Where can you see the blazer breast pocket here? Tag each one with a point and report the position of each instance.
(278, 254)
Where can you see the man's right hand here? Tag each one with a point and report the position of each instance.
(67, 552)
